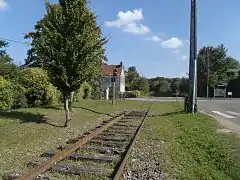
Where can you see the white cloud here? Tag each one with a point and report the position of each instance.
(173, 43)
(125, 18)
(127, 21)
(156, 39)
(136, 28)
(3, 4)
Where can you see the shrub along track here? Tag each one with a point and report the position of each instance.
(100, 153)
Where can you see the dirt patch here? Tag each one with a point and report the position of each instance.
(224, 131)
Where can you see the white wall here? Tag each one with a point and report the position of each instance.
(122, 81)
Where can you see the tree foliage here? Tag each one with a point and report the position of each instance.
(38, 90)
(174, 85)
(218, 62)
(134, 81)
(163, 85)
(234, 87)
(183, 85)
(7, 68)
(84, 92)
(68, 43)
(6, 94)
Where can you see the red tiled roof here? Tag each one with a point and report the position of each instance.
(108, 69)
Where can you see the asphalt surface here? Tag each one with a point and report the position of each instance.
(227, 111)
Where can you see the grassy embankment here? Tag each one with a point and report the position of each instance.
(186, 146)
(183, 146)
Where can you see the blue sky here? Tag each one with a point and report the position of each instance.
(151, 35)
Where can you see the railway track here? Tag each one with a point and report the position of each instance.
(100, 153)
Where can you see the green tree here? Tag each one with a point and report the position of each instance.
(233, 86)
(183, 85)
(134, 81)
(174, 84)
(11, 72)
(163, 86)
(131, 78)
(144, 85)
(68, 43)
(216, 59)
(7, 68)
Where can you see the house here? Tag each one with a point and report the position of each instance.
(107, 78)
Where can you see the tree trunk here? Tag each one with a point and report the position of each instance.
(67, 112)
(71, 100)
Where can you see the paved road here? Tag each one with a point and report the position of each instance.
(227, 111)
(224, 109)
(157, 99)
(162, 99)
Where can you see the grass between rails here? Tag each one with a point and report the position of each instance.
(185, 146)
(23, 136)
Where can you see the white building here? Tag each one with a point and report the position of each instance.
(107, 79)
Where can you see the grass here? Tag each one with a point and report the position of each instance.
(183, 146)
(24, 135)
(186, 146)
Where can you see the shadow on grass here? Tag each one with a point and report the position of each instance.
(26, 117)
(173, 113)
(59, 107)
(168, 114)
(92, 110)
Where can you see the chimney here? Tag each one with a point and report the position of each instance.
(121, 64)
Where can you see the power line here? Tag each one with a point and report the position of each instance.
(11, 40)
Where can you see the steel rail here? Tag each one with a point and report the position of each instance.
(32, 174)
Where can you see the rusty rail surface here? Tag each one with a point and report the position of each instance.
(32, 174)
(115, 135)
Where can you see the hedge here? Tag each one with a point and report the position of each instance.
(132, 94)
(39, 91)
(19, 98)
(84, 92)
(6, 94)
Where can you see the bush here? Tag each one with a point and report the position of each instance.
(6, 94)
(53, 95)
(143, 93)
(39, 91)
(96, 89)
(132, 94)
(19, 98)
(96, 93)
(84, 92)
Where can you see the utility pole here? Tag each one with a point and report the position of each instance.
(192, 97)
(113, 97)
(207, 73)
